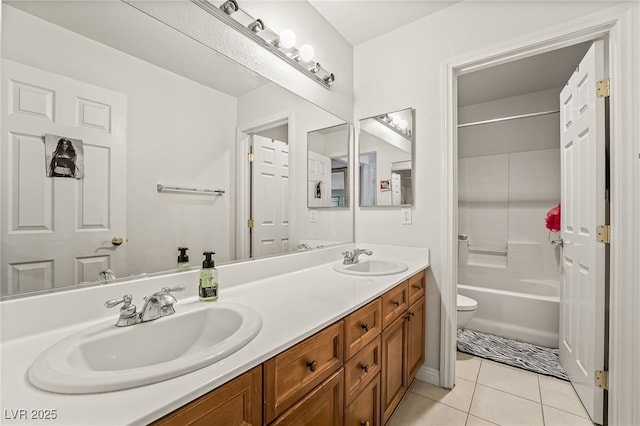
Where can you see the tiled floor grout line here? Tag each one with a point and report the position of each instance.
(544, 422)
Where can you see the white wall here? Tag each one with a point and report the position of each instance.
(179, 133)
(332, 225)
(405, 68)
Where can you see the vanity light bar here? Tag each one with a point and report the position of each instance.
(388, 122)
(256, 30)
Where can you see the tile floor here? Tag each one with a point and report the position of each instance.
(488, 393)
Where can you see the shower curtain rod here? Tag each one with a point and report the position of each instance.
(513, 117)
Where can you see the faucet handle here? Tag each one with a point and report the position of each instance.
(347, 253)
(170, 289)
(126, 299)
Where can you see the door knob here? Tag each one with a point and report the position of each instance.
(116, 241)
(558, 243)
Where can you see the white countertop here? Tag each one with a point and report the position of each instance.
(293, 306)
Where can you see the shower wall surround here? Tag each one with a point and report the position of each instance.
(503, 200)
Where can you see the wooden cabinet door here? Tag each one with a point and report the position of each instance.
(394, 366)
(323, 406)
(364, 410)
(236, 403)
(416, 324)
(361, 369)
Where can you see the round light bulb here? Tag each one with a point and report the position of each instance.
(306, 53)
(396, 120)
(287, 38)
(403, 124)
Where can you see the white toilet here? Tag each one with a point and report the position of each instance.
(466, 309)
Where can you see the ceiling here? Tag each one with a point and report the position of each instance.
(540, 72)
(362, 20)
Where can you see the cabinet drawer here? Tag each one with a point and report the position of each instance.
(361, 327)
(365, 408)
(417, 285)
(291, 374)
(360, 369)
(394, 303)
(323, 406)
(237, 402)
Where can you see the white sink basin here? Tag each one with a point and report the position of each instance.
(107, 358)
(372, 267)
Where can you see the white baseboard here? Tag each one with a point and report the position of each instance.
(429, 375)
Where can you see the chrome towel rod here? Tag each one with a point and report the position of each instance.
(513, 117)
(163, 188)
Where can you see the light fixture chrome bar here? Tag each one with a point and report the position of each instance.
(163, 188)
(226, 18)
(405, 133)
(513, 117)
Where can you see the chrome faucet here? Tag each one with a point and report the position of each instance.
(351, 256)
(303, 247)
(157, 305)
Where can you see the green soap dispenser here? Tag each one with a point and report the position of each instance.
(183, 258)
(208, 279)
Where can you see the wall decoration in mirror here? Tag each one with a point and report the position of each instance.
(385, 159)
(328, 167)
(152, 107)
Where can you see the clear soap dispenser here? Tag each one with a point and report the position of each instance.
(208, 279)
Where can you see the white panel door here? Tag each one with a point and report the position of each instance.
(270, 193)
(396, 184)
(318, 180)
(582, 305)
(57, 231)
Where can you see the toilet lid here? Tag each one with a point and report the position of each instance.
(466, 303)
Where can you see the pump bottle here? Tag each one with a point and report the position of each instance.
(208, 279)
(183, 258)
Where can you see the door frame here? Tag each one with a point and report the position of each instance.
(243, 177)
(619, 26)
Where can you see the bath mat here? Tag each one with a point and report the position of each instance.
(526, 356)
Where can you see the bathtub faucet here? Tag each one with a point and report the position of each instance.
(351, 256)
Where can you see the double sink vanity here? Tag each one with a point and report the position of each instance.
(302, 336)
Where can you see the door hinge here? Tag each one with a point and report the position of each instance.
(602, 379)
(250, 157)
(604, 234)
(250, 223)
(602, 88)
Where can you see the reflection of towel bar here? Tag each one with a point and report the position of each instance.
(216, 192)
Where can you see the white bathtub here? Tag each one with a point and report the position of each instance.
(532, 318)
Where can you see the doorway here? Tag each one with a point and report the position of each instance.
(510, 156)
(618, 25)
(263, 224)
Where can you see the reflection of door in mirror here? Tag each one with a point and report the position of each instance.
(59, 230)
(270, 195)
(368, 179)
(327, 167)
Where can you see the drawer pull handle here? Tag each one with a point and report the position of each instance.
(364, 422)
(397, 303)
(312, 365)
(409, 315)
(365, 368)
(365, 327)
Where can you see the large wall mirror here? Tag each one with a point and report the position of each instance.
(385, 159)
(328, 167)
(156, 128)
